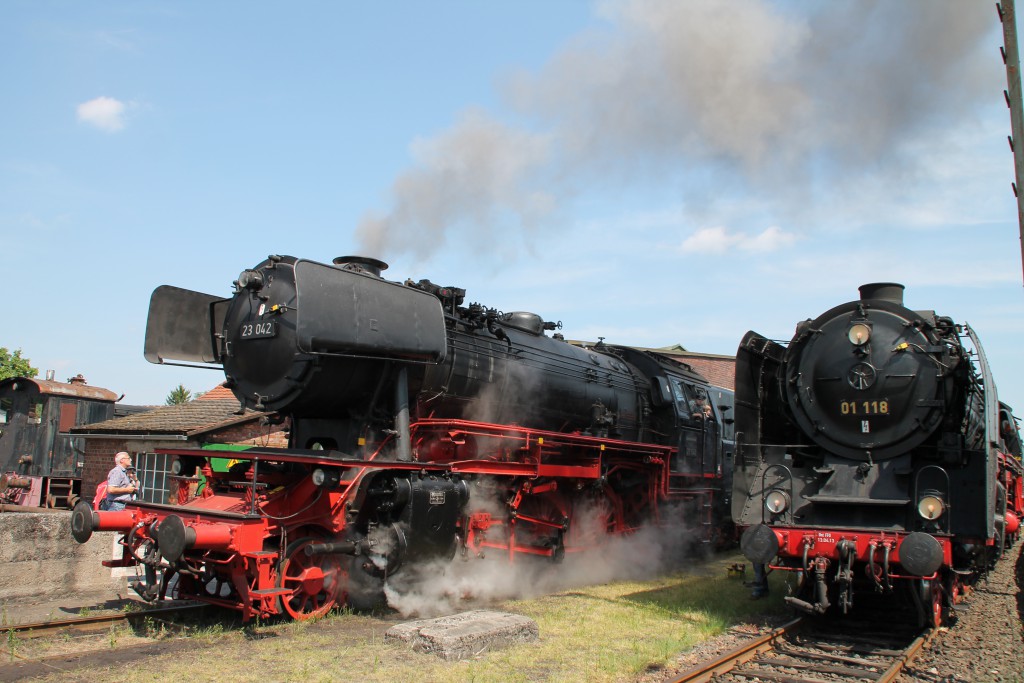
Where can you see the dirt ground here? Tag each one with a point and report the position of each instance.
(987, 641)
(82, 659)
(985, 644)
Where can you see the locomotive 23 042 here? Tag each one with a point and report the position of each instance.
(873, 454)
(420, 429)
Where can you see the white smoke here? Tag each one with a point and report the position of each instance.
(702, 96)
(440, 587)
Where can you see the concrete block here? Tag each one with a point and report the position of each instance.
(39, 557)
(466, 634)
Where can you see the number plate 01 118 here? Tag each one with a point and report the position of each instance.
(257, 330)
(864, 407)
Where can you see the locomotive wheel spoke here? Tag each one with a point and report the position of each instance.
(313, 581)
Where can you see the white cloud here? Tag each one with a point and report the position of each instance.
(771, 239)
(718, 240)
(709, 241)
(105, 113)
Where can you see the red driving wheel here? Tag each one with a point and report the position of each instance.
(314, 581)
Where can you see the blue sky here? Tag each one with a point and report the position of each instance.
(650, 172)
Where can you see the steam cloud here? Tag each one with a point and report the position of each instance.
(442, 588)
(700, 94)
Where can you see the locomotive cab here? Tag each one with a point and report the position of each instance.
(699, 429)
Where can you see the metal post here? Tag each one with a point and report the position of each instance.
(402, 415)
(1011, 57)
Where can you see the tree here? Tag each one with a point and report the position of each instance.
(179, 395)
(13, 365)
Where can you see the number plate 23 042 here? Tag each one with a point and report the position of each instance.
(258, 330)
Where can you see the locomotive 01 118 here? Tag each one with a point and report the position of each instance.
(872, 454)
(420, 429)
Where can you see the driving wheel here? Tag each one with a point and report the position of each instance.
(313, 581)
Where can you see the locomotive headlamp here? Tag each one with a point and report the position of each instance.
(184, 466)
(325, 478)
(931, 508)
(859, 334)
(776, 502)
(250, 279)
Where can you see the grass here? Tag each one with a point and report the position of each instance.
(609, 632)
(12, 642)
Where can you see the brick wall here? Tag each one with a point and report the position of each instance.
(719, 370)
(251, 433)
(99, 459)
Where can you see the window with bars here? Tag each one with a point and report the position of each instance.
(153, 470)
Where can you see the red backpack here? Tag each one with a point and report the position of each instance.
(101, 493)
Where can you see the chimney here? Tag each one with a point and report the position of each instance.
(886, 291)
(77, 379)
(361, 264)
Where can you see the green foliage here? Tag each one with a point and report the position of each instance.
(179, 395)
(13, 365)
(12, 642)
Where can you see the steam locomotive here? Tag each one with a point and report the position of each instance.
(873, 455)
(420, 429)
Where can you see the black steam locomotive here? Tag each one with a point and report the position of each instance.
(872, 454)
(420, 429)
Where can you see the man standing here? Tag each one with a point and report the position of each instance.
(120, 485)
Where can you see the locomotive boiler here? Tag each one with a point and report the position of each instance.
(421, 429)
(873, 455)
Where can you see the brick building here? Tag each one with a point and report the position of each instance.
(718, 369)
(212, 418)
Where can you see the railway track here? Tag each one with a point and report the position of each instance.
(809, 651)
(58, 647)
(97, 622)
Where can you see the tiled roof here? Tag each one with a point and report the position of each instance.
(186, 419)
(218, 393)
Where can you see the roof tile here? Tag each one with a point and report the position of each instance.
(177, 419)
(218, 393)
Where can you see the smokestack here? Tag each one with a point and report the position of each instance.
(363, 264)
(886, 291)
(50, 375)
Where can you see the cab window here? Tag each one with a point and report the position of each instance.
(682, 397)
(690, 400)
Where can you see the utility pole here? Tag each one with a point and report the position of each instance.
(1011, 57)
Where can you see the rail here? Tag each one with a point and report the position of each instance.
(813, 650)
(42, 628)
